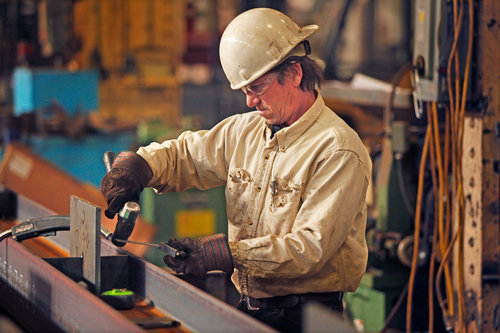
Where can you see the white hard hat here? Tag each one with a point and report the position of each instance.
(257, 40)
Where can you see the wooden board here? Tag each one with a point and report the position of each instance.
(472, 171)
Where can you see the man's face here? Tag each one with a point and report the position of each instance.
(273, 101)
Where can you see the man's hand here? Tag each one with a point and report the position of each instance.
(125, 181)
(205, 254)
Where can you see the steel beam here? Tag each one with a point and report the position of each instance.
(41, 297)
(70, 307)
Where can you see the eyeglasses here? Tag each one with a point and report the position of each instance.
(260, 86)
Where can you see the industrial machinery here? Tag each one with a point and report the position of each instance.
(389, 235)
(433, 40)
(424, 237)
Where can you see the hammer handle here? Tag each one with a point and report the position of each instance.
(108, 158)
(126, 216)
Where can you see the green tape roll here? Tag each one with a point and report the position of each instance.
(118, 292)
(121, 299)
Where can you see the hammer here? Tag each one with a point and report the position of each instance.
(126, 216)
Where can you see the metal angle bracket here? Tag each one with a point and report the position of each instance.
(85, 225)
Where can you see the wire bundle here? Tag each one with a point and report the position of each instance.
(446, 242)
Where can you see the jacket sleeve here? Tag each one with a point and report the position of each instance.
(194, 159)
(330, 222)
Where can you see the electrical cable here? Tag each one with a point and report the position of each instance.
(446, 168)
(446, 315)
(445, 210)
(457, 112)
(460, 190)
(431, 275)
(453, 111)
(434, 239)
(396, 80)
(417, 228)
(443, 243)
(469, 56)
(456, 54)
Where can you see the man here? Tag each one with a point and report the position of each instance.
(295, 174)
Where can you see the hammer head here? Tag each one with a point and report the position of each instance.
(126, 223)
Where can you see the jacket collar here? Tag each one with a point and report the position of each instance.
(287, 135)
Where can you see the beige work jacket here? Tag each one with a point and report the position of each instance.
(295, 202)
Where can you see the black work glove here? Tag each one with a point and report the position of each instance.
(125, 181)
(205, 254)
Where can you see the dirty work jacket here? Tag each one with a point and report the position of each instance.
(295, 202)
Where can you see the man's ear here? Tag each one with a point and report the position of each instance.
(295, 74)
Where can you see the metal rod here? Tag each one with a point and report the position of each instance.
(139, 243)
